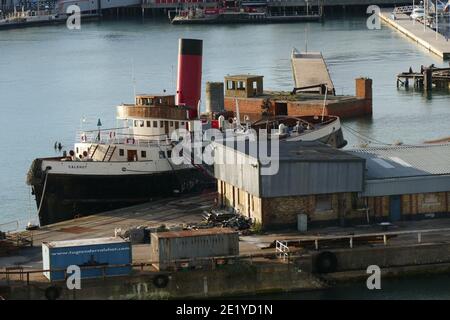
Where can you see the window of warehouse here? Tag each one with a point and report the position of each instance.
(324, 202)
(430, 199)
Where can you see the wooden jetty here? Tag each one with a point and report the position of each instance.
(426, 79)
(426, 37)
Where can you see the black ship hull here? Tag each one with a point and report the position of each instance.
(61, 197)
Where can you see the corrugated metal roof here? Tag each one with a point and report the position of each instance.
(193, 233)
(297, 151)
(405, 161)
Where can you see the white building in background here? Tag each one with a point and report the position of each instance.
(94, 5)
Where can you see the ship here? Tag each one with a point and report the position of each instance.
(236, 11)
(127, 165)
(133, 163)
(25, 18)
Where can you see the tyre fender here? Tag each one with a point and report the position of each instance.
(161, 281)
(325, 262)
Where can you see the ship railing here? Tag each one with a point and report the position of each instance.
(9, 226)
(118, 136)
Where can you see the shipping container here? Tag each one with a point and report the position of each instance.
(167, 247)
(93, 256)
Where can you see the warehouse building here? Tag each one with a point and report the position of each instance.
(312, 179)
(335, 187)
(407, 182)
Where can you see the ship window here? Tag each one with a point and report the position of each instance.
(230, 85)
(121, 152)
(169, 153)
(162, 154)
(143, 154)
(135, 123)
(141, 123)
(161, 124)
(149, 124)
(171, 123)
(155, 124)
(182, 123)
(77, 149)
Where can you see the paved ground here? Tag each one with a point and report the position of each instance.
(185, 210)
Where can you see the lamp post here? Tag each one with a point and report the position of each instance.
(437, 18)
(99, 124)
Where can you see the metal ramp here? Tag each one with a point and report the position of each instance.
(310, 70)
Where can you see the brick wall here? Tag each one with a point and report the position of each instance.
(248, 106)
(283, 211)
(364, 88)
(414, 204)
(354, 107)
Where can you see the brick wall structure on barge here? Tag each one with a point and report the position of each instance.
(352, 106)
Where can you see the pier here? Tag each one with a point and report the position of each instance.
(426, 79)
(426, 37)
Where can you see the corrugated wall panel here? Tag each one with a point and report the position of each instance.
(303, 178)
(410, 185)
(243, 175)
(175, 248)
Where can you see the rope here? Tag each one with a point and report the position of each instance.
(43, 193)
(364, 137)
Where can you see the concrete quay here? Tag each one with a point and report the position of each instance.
(427, 37)
(410, 247)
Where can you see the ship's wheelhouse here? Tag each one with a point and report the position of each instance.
(143, 135)
(153, 117)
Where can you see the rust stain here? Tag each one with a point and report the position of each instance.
(76, 230)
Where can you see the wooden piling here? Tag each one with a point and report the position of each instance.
(427, 79)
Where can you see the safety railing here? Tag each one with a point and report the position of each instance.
(14, 224)
(282, 249)
(114, 137)
(383, 237)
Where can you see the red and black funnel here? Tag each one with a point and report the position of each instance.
(189, 81)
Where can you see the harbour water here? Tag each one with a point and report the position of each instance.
(433, 287)
(51, 78)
